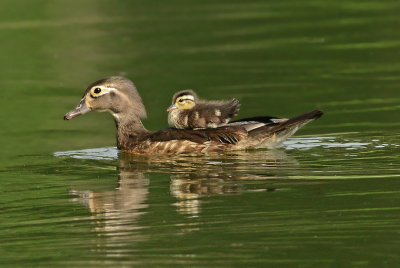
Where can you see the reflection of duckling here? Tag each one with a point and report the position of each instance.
(187, 111)
(120, 97)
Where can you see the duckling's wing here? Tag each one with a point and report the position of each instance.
(216, 113)
(230, 109)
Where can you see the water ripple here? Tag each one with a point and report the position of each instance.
(105, 153)
(306, 143)
(324, 142)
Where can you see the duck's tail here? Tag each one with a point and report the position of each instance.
(271, 132)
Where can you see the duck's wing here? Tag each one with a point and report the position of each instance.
(252, 123)
(223, 135)
(186, 141)
(261, 119)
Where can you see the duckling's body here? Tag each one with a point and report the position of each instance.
(119, 96)
(188, 112)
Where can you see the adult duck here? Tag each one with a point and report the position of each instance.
(119, 96)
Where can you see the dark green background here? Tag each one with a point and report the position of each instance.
(332, 200)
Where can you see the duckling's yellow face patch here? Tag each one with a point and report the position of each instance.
(185, 102)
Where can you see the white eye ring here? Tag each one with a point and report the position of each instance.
(98, 91)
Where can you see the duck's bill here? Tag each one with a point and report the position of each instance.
(172, 107)
(80, 109)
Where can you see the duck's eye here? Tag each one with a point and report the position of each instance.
(181, 100)
(97, 90)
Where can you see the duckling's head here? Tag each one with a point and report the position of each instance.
(183, 100)
(115, 94)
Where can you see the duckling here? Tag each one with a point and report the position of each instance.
(119, 96)
(187, 111)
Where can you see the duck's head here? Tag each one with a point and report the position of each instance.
(183, 100)
(116, 94)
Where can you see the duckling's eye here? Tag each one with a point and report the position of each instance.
(181, 100)
(97, 90)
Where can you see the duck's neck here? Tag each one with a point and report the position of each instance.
(129, 130)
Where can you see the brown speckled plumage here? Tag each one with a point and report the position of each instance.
(203, 114)
(119, 96)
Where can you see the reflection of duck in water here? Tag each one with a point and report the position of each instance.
(191, 178)
(117, 210)
(225, 175)
(119, 96)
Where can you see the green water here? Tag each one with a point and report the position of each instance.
(329, 197)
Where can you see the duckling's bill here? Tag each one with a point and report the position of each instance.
(81, 108)
(172, 107)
